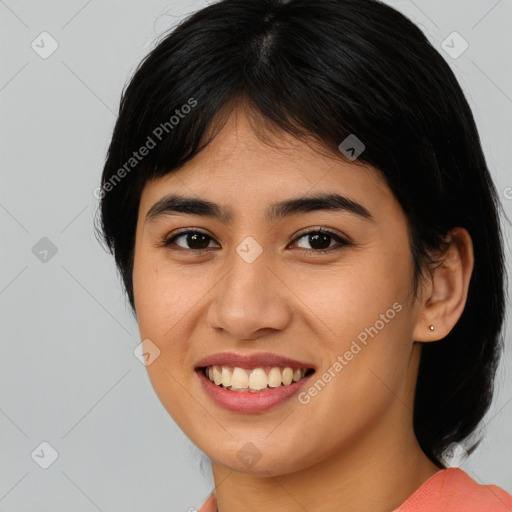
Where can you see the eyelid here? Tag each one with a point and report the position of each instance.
(321, 229)
(167, 239)
(341, 239)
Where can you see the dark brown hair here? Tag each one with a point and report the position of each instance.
(327, 69)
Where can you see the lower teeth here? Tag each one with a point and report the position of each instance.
(248, 390)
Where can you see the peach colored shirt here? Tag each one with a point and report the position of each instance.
(449, 490)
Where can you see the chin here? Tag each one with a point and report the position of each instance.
(247, 458)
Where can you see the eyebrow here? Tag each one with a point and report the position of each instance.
(173, 203)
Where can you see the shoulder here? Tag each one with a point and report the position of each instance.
(453, 490)
(210, 505)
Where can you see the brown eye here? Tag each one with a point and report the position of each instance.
(191, 239)
(320, 241)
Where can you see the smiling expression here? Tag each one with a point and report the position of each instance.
(258, 279)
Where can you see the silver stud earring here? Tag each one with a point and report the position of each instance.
(431, 327)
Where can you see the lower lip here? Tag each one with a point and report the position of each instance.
(239, 401)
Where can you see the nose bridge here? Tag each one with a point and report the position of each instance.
(247, 300)
(243, 286)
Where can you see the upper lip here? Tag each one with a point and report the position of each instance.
(251, 361)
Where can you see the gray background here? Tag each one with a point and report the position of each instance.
(68, 375)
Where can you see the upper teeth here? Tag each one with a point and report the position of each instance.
(254, 379)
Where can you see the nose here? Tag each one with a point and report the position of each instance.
(251, 300)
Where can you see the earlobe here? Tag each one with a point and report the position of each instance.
(447, 296)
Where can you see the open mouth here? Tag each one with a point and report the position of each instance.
(254, 380)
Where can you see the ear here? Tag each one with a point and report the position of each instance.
(444, 298)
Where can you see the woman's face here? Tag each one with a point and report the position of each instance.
(254, 285)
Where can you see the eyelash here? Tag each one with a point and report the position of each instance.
(170, 240)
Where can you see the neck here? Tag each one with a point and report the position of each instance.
(378, 472)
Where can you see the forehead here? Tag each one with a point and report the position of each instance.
(244, 167)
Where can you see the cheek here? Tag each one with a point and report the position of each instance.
(352, 299)
(167, 305)
(367, 311)
(162, 304)
(162, 297)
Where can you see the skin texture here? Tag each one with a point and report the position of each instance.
(352, 446)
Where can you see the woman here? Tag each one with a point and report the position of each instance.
(308, 234)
